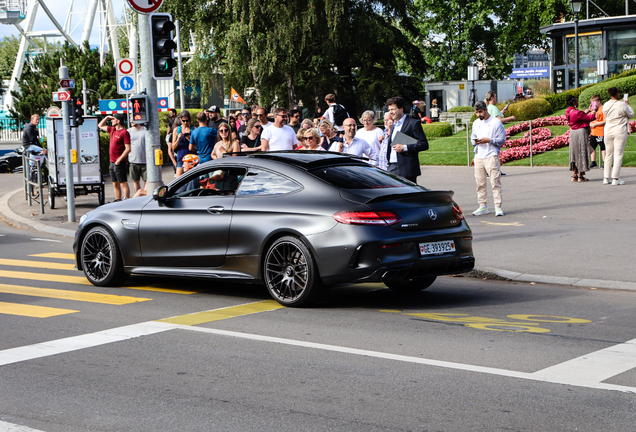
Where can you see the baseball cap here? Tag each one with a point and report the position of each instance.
(120, 117)
(213, 109)
(416, 102)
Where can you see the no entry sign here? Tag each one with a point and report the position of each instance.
(145, 6)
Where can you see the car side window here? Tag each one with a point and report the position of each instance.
(223, 181)
(263, 183)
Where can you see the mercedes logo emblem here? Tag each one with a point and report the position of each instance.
(432, 214)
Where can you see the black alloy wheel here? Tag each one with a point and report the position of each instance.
(290, 273)
(101, 259)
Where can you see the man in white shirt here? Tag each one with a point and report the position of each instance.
(353, 145)
(488, 136)
(261, 114)
(278, 136)
(137, 155)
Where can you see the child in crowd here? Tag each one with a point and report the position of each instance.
(597, 133)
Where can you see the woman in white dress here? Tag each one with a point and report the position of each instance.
(370, 133)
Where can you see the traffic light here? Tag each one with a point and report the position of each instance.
(162, 46)
(139, 108)
(77, 112)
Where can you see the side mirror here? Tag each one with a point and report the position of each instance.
(160, 193)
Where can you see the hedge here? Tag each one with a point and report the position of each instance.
(437, 130)
(530, 109)
(461, 109)
(624, 85)
(557, 100)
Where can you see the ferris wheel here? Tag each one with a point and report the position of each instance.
(22, 14)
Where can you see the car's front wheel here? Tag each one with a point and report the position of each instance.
(411, 285)
(101, 259)
(290, 273)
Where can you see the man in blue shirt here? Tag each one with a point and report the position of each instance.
(203, 139)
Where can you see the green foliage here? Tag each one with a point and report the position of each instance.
(437, 130)
(622, 75)
(9, 46)
(41, 79)
(104, 144)
(557, 100)
(530, 109)
(624, 85)
(461, 109)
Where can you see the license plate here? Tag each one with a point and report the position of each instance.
(437, 248)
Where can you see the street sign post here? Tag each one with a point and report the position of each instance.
(145, 6)
(62, 96)
(67, 83)
(126, 69)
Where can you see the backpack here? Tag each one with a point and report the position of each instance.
(339, 114)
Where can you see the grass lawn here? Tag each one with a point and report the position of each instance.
(452, 150)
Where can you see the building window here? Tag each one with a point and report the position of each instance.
(557, 51)
(590, 48)
(622, 45)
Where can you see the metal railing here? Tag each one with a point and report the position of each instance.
(33, 189)
(11, 130)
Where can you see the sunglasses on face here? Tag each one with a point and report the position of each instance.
(309, 138)
(257, 126)
(224, 131)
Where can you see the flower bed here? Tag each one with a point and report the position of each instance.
(538, 123)
(516, 153)
(538, 135)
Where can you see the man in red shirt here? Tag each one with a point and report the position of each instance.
(118, 152)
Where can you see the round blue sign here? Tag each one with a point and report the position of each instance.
(126, 83)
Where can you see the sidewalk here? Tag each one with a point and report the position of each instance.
(554, 230)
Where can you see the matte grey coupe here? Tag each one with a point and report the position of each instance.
(297, 222)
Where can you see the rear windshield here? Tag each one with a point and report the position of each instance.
(362, 177)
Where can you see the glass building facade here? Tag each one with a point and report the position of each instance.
(613, 38)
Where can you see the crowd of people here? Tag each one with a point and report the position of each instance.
(251, 129)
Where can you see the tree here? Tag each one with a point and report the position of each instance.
(41, 78)
(9, 46)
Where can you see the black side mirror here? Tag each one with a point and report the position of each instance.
(160, 193)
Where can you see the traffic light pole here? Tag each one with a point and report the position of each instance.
(70, 189)
(152, 130)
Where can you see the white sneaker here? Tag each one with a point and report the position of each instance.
(498, 211)
(617, 182)
(483, 210)
(606, 181)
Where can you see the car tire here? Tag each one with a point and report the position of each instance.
(5, 168)
(412, 285)
(290, 273)
(101, 259)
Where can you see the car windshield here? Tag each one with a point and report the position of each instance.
(362, 177)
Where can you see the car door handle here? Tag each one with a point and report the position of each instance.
(216, 209)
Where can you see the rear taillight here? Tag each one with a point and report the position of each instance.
(457, 212)
(367, 218)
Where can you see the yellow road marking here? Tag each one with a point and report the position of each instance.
(32, 311)
(221, 314)
(36, 264)
(502, 223)
(44, 277)
(166, 290)
(57, 255)
(70, 295)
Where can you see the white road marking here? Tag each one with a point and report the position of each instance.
(10, 427)
(604, 358)
(594, 367)
(46, 240)
(45, 349)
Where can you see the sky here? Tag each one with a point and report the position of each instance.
(60, 8)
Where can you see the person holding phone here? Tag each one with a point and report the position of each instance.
(181, 140)
(579, 142)
(597, 130)
(491, 101)
(617, 114)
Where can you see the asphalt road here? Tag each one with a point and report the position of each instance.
(184, 355)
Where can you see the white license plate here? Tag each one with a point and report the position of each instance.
(437, 248)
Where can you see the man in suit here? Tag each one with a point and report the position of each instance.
(404, 159)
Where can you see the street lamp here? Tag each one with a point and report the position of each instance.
(473, 75)
(602, 67)
(576, 8)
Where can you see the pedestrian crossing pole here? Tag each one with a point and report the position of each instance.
(150, 85)
(66, 114)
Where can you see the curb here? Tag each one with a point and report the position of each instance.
(560, 280)
(11, 218)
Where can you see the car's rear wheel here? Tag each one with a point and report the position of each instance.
(290, 273)
(101, 259)
(411, 285)
(4, 168)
